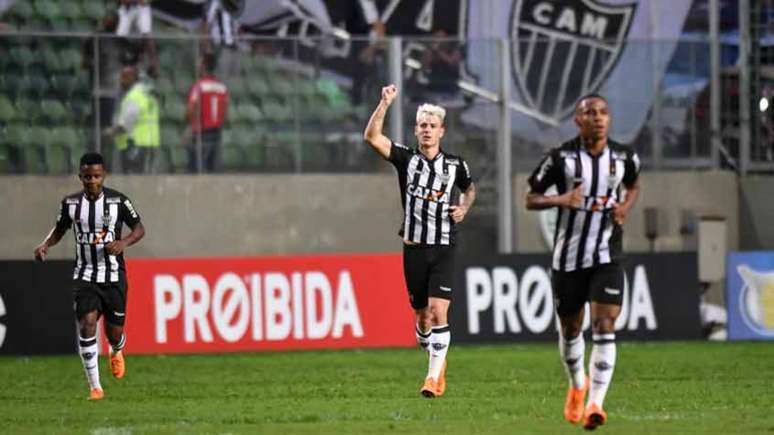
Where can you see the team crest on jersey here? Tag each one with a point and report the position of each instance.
(564, 49)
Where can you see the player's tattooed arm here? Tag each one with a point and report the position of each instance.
(373, 132)
(458, 212)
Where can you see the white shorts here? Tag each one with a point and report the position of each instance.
(129, 14)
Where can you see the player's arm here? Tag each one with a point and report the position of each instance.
(621, 211)
(128, 214)
(373, 132)
(117, 246)
(544, 176)
(53, 237)
(458, 212)
(63, 223)
(571, 199)
(631, 181)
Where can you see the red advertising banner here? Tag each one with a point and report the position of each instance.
(267, 303)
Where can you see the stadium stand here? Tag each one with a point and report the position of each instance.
(47, 101)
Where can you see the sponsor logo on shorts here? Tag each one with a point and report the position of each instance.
(445, 289)
(612, 291)
(118, 314)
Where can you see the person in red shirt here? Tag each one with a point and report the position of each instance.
(206, 113)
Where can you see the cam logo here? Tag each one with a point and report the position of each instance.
(564, 49)
(3, 328)
(756, 300)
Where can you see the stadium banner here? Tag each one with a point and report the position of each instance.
(750, 295)
(36, 308)
(507, 298)
(564, 49)
(267, 303)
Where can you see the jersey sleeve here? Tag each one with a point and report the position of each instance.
(399, 155)
(547, 174)
(631, 168)
(463, 179)
(128, 213)
(63, 221)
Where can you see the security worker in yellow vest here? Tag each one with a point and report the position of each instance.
(136, 129)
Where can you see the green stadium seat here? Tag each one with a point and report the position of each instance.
(94, 10)
(22, 10)
(23, 57)
(237, 87)
(248, 113)
(258, 86)
(7, 111)
(48, 9)
(174, 110)
(37, 85)
(81, 25)
(183, 83)
(58, 24)
(28, 109)
(34, 150)
(51, 61)
(57, 159)
(71, 59)
(165, 87)
(80, 108)
(36, 23)
(54, 111)
(72, 10)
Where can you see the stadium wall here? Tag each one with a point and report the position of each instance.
(247, 215)
(756, 213)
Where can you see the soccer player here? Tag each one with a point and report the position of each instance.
(427, 176)
(97, 215)
(589, 172)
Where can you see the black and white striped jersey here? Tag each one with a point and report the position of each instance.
(95, 224)
(427, 191)
(587, 237)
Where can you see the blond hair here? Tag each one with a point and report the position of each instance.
(431, 109)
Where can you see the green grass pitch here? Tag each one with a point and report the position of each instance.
(658, 387)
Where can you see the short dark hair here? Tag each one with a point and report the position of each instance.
(210, 61)
(590, 96)
(92, 158)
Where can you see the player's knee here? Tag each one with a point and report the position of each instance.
(603, 325)
(438, 314)
(570, 331)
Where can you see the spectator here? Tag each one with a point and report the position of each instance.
(365, 64)
(113, 54)
(206, 112)
(441, 63)
(136, 130)
(222, 28)
(137, 13)
(134, 12)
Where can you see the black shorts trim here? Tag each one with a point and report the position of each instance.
(108, 299)
(602, 284)
(429, 273)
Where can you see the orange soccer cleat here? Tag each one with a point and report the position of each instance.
(595, 416)
(573, 406)
(440, 387)
(429, 389)
(96, 394)
(117, 366)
